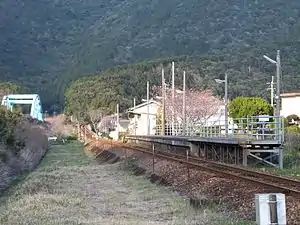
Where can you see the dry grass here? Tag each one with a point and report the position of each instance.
(69, 188)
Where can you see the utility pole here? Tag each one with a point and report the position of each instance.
(134, 116)
(163, 102)
(183, 106)
(272, 91)
(278, 73)
(271, 88)
(148, 119)
(173, 96)
(118, 121)
(226, 104)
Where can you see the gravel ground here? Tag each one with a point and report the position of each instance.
(238, 197)
(70, 188)
(232, 195)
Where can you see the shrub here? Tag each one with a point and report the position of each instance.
(71, 138)
(294, 129)
(292, 118)
(105, 136)
(8, 122)
(292, 142)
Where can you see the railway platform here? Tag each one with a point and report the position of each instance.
(248, 141)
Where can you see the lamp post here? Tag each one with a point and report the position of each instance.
(278, 72)
(226, 101)
(277, 98)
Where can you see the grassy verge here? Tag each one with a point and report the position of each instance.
(70, 188)
(291, 166)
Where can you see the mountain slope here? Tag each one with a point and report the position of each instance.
(120, 85)
(47, 44)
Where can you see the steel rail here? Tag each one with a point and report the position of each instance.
(291, 181)
(219, 168)
(183, 159)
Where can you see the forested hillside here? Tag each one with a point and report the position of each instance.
(122, 84)
(47, 44)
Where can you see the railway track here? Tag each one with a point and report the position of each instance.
(283, 184)
(286, 185)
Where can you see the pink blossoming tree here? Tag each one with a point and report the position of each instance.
(200, 105)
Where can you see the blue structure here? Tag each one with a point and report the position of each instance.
(9, 101)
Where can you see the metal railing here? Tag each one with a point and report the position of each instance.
(251, 128)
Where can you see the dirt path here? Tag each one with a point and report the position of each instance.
(69, 188)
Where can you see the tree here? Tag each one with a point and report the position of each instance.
(95, 116)
(8, 122)
(201, 105)
(293, 129)
(93, 93)
(7, 88)
(293, 119)
(243, 107)
(107, 124)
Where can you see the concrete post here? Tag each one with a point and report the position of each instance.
(245, 157)
(194, 149)
(270, 209)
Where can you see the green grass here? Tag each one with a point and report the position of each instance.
(70, 188)
(291, 165)
(293, 172)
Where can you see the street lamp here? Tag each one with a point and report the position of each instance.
(226, 100)
(278, 71)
